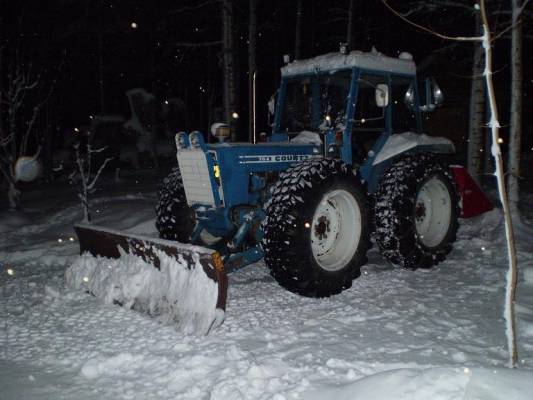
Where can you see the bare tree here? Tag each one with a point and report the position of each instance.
(21, 101)
(515, 135)
(229, 67)
(252, 66)
(477, 111)
(83, 174)
(486, 40)
(298, 31)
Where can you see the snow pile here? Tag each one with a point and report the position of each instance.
(176, 293)
(307, 137)
(434, 384)
(402, 142)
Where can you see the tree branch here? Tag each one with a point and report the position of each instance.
(423, 28)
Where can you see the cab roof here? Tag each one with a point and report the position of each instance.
(332, 62)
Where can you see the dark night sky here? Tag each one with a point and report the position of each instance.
(61, 37)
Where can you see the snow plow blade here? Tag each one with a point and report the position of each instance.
(179, 283)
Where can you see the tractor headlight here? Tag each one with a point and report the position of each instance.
(181, 140)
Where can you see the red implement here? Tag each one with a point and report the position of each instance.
(473, 200)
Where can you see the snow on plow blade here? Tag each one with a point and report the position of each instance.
(180, 283)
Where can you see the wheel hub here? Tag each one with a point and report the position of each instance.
(322, 228)
(432, 212)
(336, 230)
(420, 211)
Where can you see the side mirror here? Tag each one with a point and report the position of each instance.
(409, 98)
(382, 95)
(433, 94)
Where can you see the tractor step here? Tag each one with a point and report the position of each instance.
(176, 282)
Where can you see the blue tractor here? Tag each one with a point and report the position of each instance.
(346, 159)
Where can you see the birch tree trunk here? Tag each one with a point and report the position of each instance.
(252, 35)
(510, 292)
(477, 108)
(101, 59)
(513, 160)
(230, 92)
(298, 31)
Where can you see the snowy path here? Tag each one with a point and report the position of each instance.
(438, 333)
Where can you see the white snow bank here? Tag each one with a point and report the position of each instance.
(307, 137)
(176, 293)
(114, 365)
(435, 384)
(334, 61)
(402, 142)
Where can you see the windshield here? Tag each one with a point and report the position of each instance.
(315, 103)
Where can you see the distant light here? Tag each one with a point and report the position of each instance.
(466, 370)
(483, 248)
(90, 117)
(85, 279)
(500, 140)
(76, 130)
(166, 102)
(328, 118)
(60, 240)
(235, 115)
(71, 239)
(363, 120)
(10, 272)
(307, 225)
(134, 25)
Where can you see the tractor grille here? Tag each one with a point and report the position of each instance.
(196, 179)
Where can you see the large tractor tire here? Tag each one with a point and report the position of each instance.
(316, 229)
(416, 211)
(175, 220)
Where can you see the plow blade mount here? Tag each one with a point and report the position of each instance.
(176, 282)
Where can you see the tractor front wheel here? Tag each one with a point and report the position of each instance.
(175, 220)
(316, 229)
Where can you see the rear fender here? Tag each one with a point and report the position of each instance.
(397, 146)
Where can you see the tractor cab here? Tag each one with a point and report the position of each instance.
(351, 103)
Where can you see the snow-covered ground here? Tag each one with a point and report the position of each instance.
(396, 334)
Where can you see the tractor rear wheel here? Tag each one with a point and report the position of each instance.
(416, 211)
(175, 220)
(316, 229)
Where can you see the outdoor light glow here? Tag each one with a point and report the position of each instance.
(76, 130)
(307, 225)
(134, 25)
(85, 279)
(328, 118)
(466, 370)
(10, 272)
(235, 115)
(166, 102)
(71, 239)
(482, 248)
(60, 240)
(500, 140)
